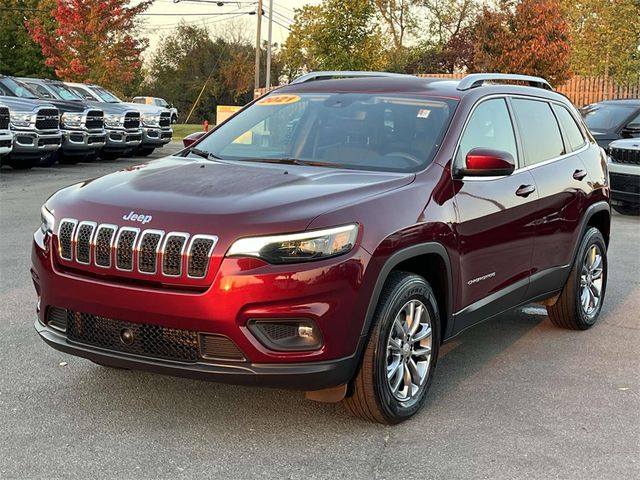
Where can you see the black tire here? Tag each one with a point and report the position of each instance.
(22, 164)
(110, 155)
(569, 312)
(174, 119)
(144, 152)
(627, 209)
(50, 160)
(372, 398)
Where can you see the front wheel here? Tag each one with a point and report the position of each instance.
(580, 302)
(400, 357)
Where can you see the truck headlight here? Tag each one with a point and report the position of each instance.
(47, 220)
(112, 120)
(298, 247)
(150, 120)
(72, 119)
(21, 119)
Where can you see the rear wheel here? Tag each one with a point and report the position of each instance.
(627, 209)
(580, 302)
(400, 357)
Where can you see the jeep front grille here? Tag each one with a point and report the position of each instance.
(623, 155)
(131, 120)
(129, 249)
(48, 119)
(95, 120)
(4, 118)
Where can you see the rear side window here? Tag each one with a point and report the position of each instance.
(489, 127)
(571, 129)
(539, 130)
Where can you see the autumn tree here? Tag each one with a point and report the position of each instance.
(530, 37)
(605, 37)
(94, 41)
(334, 35)
(19, 54)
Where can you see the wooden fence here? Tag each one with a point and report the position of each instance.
(581, 90)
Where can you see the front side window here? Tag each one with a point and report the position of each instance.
(41, 91)
(83, 93)
(489, 127)
(347, 130)
(12, 88)
(539, 130)
(64, 92)
(571, 129)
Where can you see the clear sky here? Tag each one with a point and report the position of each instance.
(164, 15)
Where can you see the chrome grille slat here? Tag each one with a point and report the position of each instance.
(199, 254)
(125, 244)
(83, 240)
(173, 252)
(65, 238)
(148, 250)
(103, 245)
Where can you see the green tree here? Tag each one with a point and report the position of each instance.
(19, 54)
(605, 37)
(335, 35)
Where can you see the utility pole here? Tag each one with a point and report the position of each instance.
(268, 82)
(258, 46)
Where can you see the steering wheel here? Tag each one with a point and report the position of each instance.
(406, 156)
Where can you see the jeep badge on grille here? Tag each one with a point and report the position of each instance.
(138, 217)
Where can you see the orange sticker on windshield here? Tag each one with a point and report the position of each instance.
(279, 100)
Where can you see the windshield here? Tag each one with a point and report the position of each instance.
(10, 88)
(105, 96)
(63, 92)
(606, 118)
(359, 131)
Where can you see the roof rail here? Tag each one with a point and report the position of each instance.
(478, 79)
(320, 75)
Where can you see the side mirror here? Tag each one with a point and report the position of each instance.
(193, 138)
(485, 162)
(632, 129)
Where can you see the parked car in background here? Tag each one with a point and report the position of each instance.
(158, 102)
(120, 140)
(82, 127)
(624, 172)
(155, 121)
(331, 236)
(36, 132)
(6, 137)
(612, 120)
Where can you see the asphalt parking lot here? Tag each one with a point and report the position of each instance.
(512, 398)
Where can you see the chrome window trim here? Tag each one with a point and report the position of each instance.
(214, 238)
(133, 247)
(182, 257)
(158, 249)
(75, 241)
(73, 233)
(111, 243)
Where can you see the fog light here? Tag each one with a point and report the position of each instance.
(287, 335)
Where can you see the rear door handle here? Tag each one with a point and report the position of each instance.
(579, 175)
(525, 190)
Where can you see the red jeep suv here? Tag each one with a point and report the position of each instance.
(331, 235)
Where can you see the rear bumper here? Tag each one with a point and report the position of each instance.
(293, 376)
(155, 137)
(82, 142)
(118, 140)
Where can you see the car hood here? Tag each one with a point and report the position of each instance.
(221, 198)
(18, 104)
(627, 144)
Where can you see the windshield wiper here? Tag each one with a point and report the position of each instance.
(294, 161)
(203, 154)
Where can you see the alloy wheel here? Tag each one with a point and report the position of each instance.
(591, 280)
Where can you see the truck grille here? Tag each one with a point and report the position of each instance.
(623, 155)
(132, 120)
(142, 339)
(4, 118)
(95, 120)
(48, 119)
(129, 249)
(165, 119)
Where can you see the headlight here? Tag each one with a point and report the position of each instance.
(298, 247)
(21, 119)
(112, 120)
(148, 119)
(72, 119)
(48, 220)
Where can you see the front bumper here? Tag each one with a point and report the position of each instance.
(293, 376)
(6, 143)
(119, 140)
(155, 136)
(78, 142)
(28, 143)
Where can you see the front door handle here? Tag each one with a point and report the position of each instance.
(525, 190)
(579, 175)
